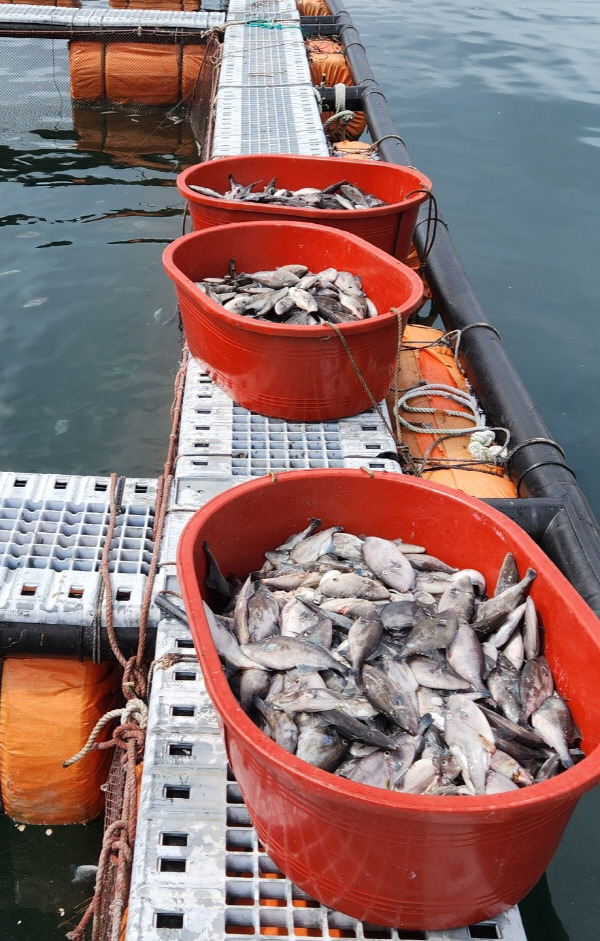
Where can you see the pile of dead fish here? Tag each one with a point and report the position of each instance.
(291, 294)
(373, 660)
(341, 195)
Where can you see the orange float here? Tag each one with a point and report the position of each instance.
(49, 707)
(312, 8)
(328, 67)
(424, 359)
(134, 73)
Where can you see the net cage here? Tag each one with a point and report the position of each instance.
(129, 93)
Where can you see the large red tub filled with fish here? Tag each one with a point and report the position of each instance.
(225, 190)
(408, 860)
(285, 370)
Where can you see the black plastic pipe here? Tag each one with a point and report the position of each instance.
(572, 539)
(68, 640)
(146, 34)
(353, 98)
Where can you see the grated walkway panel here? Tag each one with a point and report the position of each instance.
(102, 18)
(265, 102)
(52, 534)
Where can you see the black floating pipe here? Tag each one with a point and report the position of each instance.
(314, 31)
(319, 21)
(146, 34)
(352, 98)
(572, 539)
(66, 640)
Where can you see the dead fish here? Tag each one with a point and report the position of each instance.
(535, 685)
(349, 585)
(491, 613)
(284, 730)
(388, 698)
(508, 574)
(554, 722)
(363, 640)
(355, 729)
(226, 644)
(459, 597)
(283, 653)
(314, 546)
(262, 614)
(388, 563)
(322, 747)
(436, 674)
(470, 739)
(465, 656)
(431, 634)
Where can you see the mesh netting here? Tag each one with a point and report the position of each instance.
(118, 96)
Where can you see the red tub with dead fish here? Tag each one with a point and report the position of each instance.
(383, 855)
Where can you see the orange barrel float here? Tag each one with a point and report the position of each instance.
(388, 227)
(134, 73)
(328, 67)
(190, 6)
(48, 708)
(403, 860)
(424, 359)
(283, 371)
(312, 8)
(48, 3)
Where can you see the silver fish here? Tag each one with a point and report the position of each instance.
(283, 653)
(363, 640)
(388, 563)
(535, 685)
(470, 740)
(554, 722)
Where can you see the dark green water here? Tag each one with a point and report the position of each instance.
(498, 104)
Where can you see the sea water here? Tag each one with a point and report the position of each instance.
(498, 105)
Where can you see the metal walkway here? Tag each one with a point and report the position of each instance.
(198, 871)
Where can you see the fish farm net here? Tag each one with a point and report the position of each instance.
(125, 91)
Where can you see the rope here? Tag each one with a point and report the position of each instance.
(361, 378)
(449, 392)
(340, 97)
(343, 118)
(130, 734)
(380, 140)
(134, 710)
(116, 491)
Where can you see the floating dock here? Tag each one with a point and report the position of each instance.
(198, 869)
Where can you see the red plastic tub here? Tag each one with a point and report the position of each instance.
(401, 860)
(296, 373)
(388, 227)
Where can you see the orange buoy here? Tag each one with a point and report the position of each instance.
(49, 707)
(328, 67)
(134, 73)
(424, 359)
(312, 8)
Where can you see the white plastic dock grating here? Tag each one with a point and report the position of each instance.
(265, 102)
(199, 873)
(246, 444)
(271, 10)
(252, 58)
(95, 18)
(52, 534)
(289, 122)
